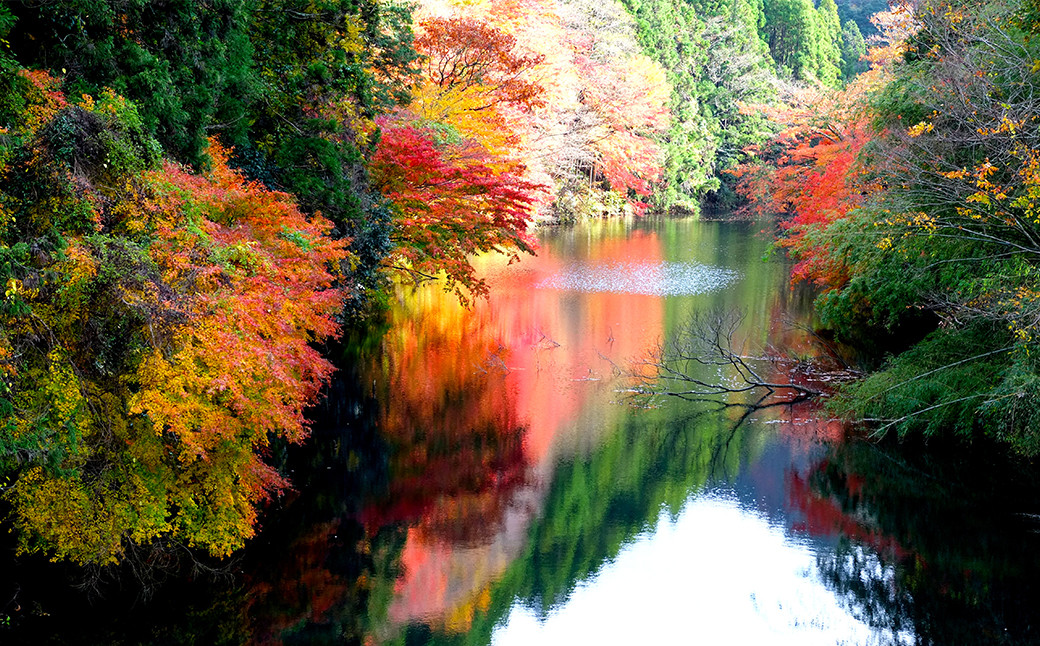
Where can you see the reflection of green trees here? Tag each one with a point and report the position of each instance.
(599, 502)
(736, 245)
(968, 565)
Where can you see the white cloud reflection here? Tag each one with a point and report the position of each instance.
(719, 574)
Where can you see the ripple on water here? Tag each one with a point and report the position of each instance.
(653, 279)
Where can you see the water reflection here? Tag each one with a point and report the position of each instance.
(479, 406)
(543, 352)
(654, 279)
(636, 524)
(717, 573)
(947, 541)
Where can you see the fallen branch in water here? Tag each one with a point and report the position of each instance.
(702, 363)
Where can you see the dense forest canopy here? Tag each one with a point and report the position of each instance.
(194, 196)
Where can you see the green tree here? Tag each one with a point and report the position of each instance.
(828, 42)
(185, 63)
(715, 61)
(803, 39)
(853, 49)
(321, 72)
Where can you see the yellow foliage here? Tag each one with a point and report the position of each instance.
(979, 197)
(81, 522)
(352, 39)
(14, 286)
(201, 295)
(466, 109)
(67, 405)
(919, 129)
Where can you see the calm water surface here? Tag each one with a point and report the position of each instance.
(481, 476)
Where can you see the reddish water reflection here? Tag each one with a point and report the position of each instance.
(825, 517)
(480, 403)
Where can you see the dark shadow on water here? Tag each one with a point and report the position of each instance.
(942, 541)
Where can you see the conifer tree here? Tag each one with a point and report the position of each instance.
(853, 50)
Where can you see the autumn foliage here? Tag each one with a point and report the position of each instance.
(156, 334)
(462, 55)
(451, 202)
(811, 175)
(159, 320)
(517, 113)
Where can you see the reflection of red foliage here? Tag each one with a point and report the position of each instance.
(461, 377)
(807, 422)
(559, 340)
(483, 401)
(455, 436)
(302, 590)
(825, 517)
(457, 482)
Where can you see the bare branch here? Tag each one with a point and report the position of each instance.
(702, 363)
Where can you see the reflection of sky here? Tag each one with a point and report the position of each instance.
(717, 574)
(760, 484)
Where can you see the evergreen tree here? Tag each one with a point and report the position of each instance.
(860, 11)
(714, 60)
(804, 40)
(789, 30)
(828, 36)
(853, 49)
(186, 64)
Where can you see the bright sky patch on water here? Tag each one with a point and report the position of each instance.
(653, 279)
(718, 574)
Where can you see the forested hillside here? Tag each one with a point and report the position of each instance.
(722, 58)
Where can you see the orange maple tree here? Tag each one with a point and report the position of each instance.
(447, 163)
(811, 173)
(463, 54)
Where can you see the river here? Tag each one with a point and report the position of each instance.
(486, 476)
